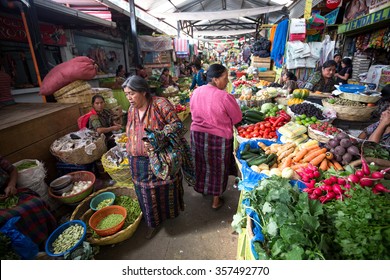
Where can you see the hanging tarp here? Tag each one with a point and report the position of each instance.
(154, 44)
(219, 15)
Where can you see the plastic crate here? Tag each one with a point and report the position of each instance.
(65, 168)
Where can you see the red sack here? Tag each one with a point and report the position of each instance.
(78, 68)
(84, 119)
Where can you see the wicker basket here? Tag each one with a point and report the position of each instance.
(169, 94)
(73, 87)
(78, 97)
(349, 113)
(319, 136)
(121, 174)
(83, 212)
(359, 97)
(79, 155)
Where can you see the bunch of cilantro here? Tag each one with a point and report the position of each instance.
(359, 226)
(290, 221)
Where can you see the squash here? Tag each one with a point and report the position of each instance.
(301, 93)
(293, 101)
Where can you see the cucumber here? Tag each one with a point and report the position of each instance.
(251, 120)
(270, 158)
(248, 156)
(257, 161)
(255, 115)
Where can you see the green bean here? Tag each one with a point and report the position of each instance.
(132, 207)
(67, 239)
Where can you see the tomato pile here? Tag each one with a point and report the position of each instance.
(265, 129)
(180, 108)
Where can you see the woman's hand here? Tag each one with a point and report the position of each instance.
(385, 118)
(10, 190)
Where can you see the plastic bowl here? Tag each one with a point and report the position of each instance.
(99, 198)
(61, 182)
(75, 198)
(58, 231)
(101, 214)
(65, 189)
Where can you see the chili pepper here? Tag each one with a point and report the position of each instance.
(277, 121)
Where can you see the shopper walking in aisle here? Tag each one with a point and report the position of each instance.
(323, 80)
(198, 72)
(159, 199)
(214, 112)
(345, 73)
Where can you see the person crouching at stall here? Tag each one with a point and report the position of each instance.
(214, 113)
(323, 80)
(159, 198)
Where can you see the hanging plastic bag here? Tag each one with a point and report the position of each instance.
(21, 243)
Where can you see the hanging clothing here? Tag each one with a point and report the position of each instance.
(277, 52)
(272, 36)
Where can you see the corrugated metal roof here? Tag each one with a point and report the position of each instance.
(297, 10)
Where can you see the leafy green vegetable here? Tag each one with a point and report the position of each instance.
(372, 149)
(359, 226)
(290, 221)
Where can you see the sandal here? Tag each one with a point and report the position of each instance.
(220, 204)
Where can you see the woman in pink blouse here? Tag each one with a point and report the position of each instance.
(214, 113)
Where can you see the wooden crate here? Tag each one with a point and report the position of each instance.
(261, 62)
(267, 76)
(28, 129)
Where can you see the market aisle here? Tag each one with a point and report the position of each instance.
(199, 233)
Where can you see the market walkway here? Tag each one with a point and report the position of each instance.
(199, 233)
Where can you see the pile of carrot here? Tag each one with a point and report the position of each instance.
(289, 155)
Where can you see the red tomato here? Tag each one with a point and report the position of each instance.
(267, 124)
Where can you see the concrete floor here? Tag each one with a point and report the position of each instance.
(198, 233)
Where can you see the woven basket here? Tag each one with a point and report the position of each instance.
(349, 113)
(73, 87)
(169, 94)
(78, 97)
(79, 156)
(83, 212)
(121, 174)
(359, 97)
(317, 135)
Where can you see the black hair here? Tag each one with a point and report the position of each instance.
(386, 92)
(96, 97)
(347, 61)
(215, 71)
(137, 83)
(120, 67)
(139, 66)
(291, 76)
(329, 63)
(336, 54)
(197, 66)
(164, 70)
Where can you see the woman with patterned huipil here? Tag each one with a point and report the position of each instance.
(159, 199)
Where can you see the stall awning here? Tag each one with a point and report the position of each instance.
(364, 23)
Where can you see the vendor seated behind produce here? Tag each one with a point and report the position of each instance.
(346, 71)
(379, 132)
(289, 81)
(323, 80)
(383, 103)
(36, 221)
(101, 120)
(166, 79)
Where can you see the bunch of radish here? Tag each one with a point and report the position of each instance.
(328, 189)
(309, 175)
